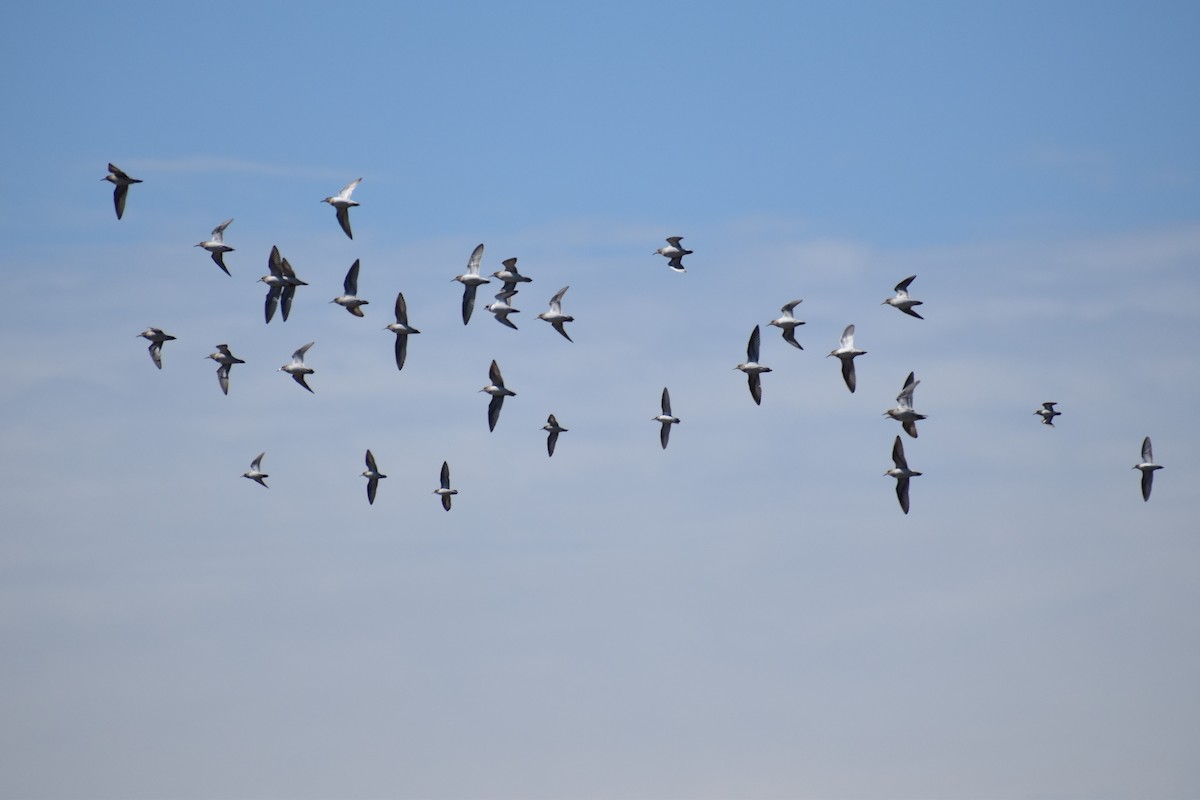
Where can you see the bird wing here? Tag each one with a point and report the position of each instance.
(551, 441)
(789, 336)
(119, 195)
(343, 218)
(752, 346)
(558, 326)
(789, 307)
(666, 403)
(1147, 483)
(556, 301)
(906, 393)
(401, 309)
(898, 454)
(494, 411)
(298, 377)
(1147, 453)
(223, 377)
(674, 240)
(848, 373)
(848, 337)
(218, 233)
(348, 189)
(664, 434)
(446, 475)
(371, 462)
(285, 295)
(468, 302)
(218, 258)
(298, 356)
(494, 375)
(755, 387)
(372, 485)
(902, 493)
(350, 285)
(902, 286)
(271, 303)
(401, 349)
(474, 261)
(256, 464)
(156, 354)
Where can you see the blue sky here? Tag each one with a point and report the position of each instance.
(747, 614)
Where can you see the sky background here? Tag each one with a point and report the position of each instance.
(747, 614)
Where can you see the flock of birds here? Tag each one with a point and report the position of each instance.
(282, 283)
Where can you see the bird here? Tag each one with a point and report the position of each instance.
(216, 246)
(846, 353)
(555, 316)
(402, 330)
(255, 472)
(1147, 466)
(471, 280)
(281, 285)
(1047, 413)
(498, 392)
(501, 308)
(156, 337)
(226, 360)
(445, 491)
(372, 474)
(901, 473)
(788, 323)
(342, 202)
(122, 182)
(902, 301)
(349, 299)
(509, 275)
(752, 368)
(903, 412)
(296, 367)
(553, 429)
(666, 418)
(674, 252)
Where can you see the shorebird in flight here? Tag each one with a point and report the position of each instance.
(509, 275)
(349, 299)
(555, 316)
(342, 202)
(296, 367)
(788, 323)
(255, 472)
(666, 418)
(902, 301)
(372, 474)
(901, 473)
(502, 308)
(1147, 467)
(553, 429)
(216, 246)
(226, 360)
(156, 337)
(674, 253)
(903, 412)
(402, 330)
(498, 392)
(122, 182)
(846, 353)
(1047, 413)
(445, 491)
(751, 366)
(471, 280)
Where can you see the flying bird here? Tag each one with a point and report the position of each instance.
(349, 298)
(1147, 466)
(788, 323)
(372, 474)
(901, 473)
(501, 308)
(1047, 413)
(156, 337)
(342, 202)
(752, 368)
(902, 301)
(846, 354)
(296, 367)
(402, 330)
(281, 285)
(471, 280)
(255, 473)
(903, 412)
(553, 429)
(498, 392)
(509, 275)
(445, 491)
(226, 360)
(666, 418)
(555, 316)
(674, 252)
(122, 182)
(216, 246)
